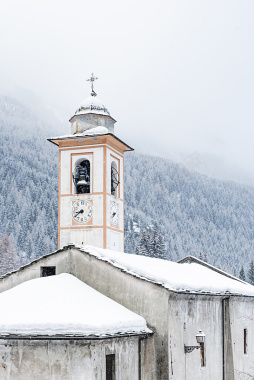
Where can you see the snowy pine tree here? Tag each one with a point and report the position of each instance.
(242, 274)
(8, 256)
(151, 244)
(251, 273)
(142, 246)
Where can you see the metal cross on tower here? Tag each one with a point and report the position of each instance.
(92, 79)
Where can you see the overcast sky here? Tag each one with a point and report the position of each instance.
(177, 75)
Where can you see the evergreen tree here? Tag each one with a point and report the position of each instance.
(251, 273)
(242, 274)
(142, 246)
(8, 257)
(151, 244)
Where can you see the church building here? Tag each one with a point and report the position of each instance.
(89, 311)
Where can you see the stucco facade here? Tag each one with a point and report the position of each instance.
(80, 123)
(67, 359)
(99, 228)
(175, 318)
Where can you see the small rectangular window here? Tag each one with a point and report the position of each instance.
(202, 354)
(48, 271)
(110, 367)
(245, 343)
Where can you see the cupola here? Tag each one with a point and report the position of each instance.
(91, 113)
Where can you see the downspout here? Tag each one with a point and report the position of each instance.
(139, 359)
(223, 339)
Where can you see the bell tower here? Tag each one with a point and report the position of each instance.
(91, 178)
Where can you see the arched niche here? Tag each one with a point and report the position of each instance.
(81, 176)
(114, 178)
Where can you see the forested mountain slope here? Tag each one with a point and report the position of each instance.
(194, 214)
(28, 186)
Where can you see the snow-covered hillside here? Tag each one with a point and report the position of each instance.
(195, 214)
(28, 187)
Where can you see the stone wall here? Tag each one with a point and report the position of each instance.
(242, 318)
(174, 317)
(67, 360)
(187, 315)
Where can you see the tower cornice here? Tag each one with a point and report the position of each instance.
(95, 139)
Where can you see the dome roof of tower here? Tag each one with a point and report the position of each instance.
(92, 104)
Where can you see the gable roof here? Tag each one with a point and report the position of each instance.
(192, 259)
(62, 305)
(189, 276)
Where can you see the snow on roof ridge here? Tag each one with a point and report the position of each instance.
(98, 253)
(100, 130)
(177, 277)
(92, 104)
(63, 305)
(189, 259)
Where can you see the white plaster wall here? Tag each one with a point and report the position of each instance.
(119, 202)
(67, 360)
(188, 315)
(61, 260)
(115, 236)
(65, 171)
(242, 317)
(96, 157)
(98, 170)
(175, 318)
(121, 216)
(114, 241)
(121, 177)
(82, 236)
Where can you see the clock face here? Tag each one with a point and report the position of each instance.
(82, 211)
(114, 214)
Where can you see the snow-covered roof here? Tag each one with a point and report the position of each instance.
(191, 277)
(64, 305)
(96, 131)
(92, 132)
(92, 104)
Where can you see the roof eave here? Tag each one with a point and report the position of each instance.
(74, 137)
(11, 336)
(193, 259)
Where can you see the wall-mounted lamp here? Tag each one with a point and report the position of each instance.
(200, 338)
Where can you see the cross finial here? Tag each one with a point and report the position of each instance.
(92, 79)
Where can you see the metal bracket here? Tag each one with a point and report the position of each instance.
(189, 349)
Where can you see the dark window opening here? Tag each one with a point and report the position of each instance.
(110, 367)
(81, 177)
(202, 354)
(48, 271)
(245, 346)
(114, 178)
